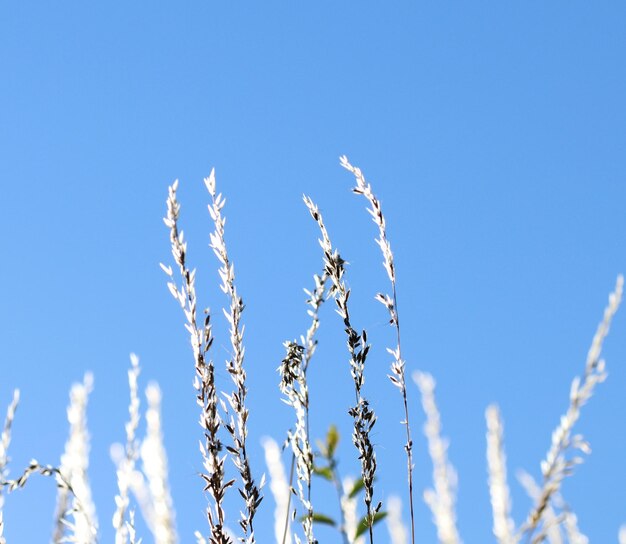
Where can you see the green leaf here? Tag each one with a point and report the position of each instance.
(326, 520)
(358, 485)
(364, 525)
(332, 439)
(378, 516)
(324, 472)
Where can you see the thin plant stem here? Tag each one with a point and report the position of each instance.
(34, 467)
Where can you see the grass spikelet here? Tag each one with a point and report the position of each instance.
(294, 386)
(398, 364)
(363, 416)
(238, 424)
(204, 383)
(557, 465)
(49, 471)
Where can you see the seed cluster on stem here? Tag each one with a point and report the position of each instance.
(363, 416)
(294, 386)
(204, 382)
(391, 303)
(237, 425)
(557, 465)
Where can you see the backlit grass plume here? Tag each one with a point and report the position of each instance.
(206, 391)
(237, 425)
(398, 364)
(363, 416)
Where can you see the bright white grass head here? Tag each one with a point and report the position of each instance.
(442, 497)
(279, 486)
(126, 467)
(74, 467)
(503, 525)
(365, 189)
(622, 534)
(155, 468)
(398, 533)
(558, 462)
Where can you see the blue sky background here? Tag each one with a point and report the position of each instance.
(492, 132)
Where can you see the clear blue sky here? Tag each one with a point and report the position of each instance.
(492, 132)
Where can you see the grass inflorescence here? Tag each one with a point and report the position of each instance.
(225, 420)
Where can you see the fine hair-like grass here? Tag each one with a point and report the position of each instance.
(225, 427)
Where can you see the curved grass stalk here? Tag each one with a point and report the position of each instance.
(556, 465)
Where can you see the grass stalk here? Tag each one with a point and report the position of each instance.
(293, 385)
(557, 465)
(204, 382)
(398, 365)
(363, 416)
(238, 424)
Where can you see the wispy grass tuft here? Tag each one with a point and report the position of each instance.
(550, 519)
